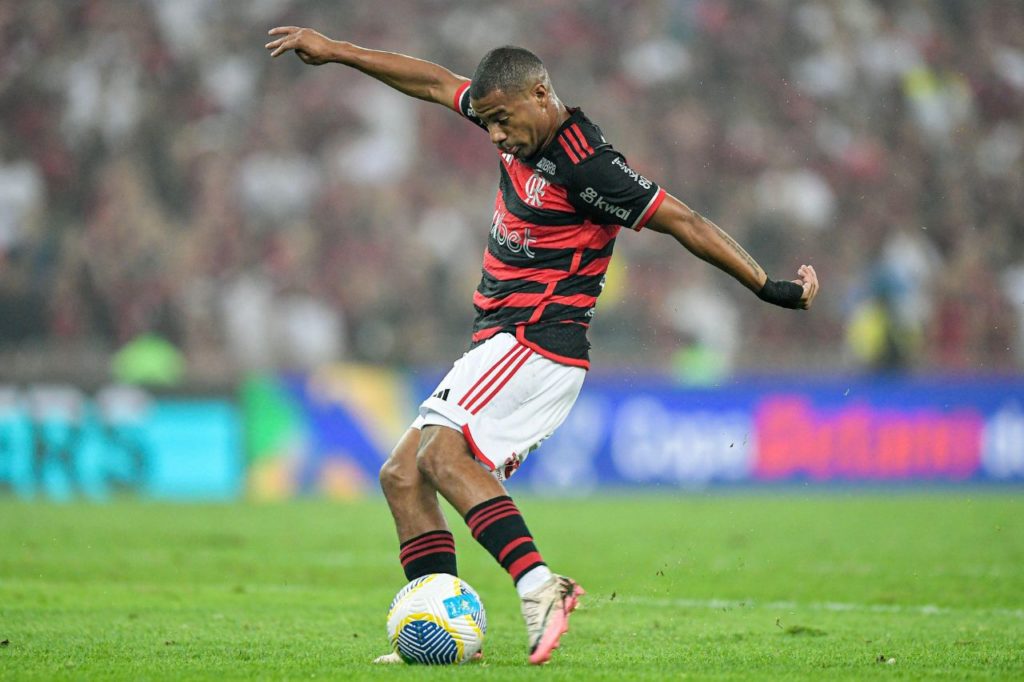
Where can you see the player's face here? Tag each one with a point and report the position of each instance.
(518, 123)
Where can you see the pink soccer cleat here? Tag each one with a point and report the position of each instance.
(546, 612)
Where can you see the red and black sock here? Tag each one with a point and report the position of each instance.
(499, 527)
(432, 552)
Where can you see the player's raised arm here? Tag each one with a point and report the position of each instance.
(709, 242)
(414, 77)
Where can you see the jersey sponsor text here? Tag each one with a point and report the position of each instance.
(591, 196)
(641, 180)
(516, 242)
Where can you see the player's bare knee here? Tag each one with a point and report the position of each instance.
(398, 473)
(389, 476)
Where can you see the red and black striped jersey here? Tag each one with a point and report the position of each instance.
(554, 225)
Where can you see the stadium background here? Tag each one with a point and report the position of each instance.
(224, 275)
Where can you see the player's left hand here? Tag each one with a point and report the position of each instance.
(808, 279)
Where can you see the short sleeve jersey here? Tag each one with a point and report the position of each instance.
(555, 220)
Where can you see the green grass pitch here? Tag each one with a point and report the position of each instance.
(845, 585)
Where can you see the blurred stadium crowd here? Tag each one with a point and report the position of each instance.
(161, 176)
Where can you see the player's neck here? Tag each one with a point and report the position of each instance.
(559, 115)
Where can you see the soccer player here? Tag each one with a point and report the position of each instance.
(563, 194)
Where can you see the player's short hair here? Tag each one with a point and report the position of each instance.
(509, 69)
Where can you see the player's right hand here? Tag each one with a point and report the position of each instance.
(310, 46)
(808, 279)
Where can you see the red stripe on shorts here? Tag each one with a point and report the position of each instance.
(472, 404)
(477, 452)
(508, 376)
(486, 374)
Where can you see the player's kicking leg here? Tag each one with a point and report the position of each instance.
(547, 599)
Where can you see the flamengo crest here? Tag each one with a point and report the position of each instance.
(535, 187)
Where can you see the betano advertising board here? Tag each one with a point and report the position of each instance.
(630, 431)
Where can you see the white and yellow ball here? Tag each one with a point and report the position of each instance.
(437, 619)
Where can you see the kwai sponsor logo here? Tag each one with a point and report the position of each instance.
(513, 240)
(591, 196)
(640, 180)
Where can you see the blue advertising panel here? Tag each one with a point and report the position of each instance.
(59, 443)
(654, 433)
(338, 425)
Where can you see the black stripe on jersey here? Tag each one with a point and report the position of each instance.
(501, 317)
(558, 312)
(549, 259)
(588, 285)
(590, 255)
(537, 216)
(509, 316)
(568, 340)
(492, 287)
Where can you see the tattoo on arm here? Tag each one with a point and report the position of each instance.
(733, 244)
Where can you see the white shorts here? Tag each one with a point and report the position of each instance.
(505, 398)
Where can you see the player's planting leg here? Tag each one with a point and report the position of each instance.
(426, 544)
(445, 459)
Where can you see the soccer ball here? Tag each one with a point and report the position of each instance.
(437, 619)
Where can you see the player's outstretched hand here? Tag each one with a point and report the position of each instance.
(808, 279)
(310, 46)
(795, 294)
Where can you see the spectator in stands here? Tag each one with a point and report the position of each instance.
(139, 173)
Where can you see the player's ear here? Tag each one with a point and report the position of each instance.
(540, 93)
